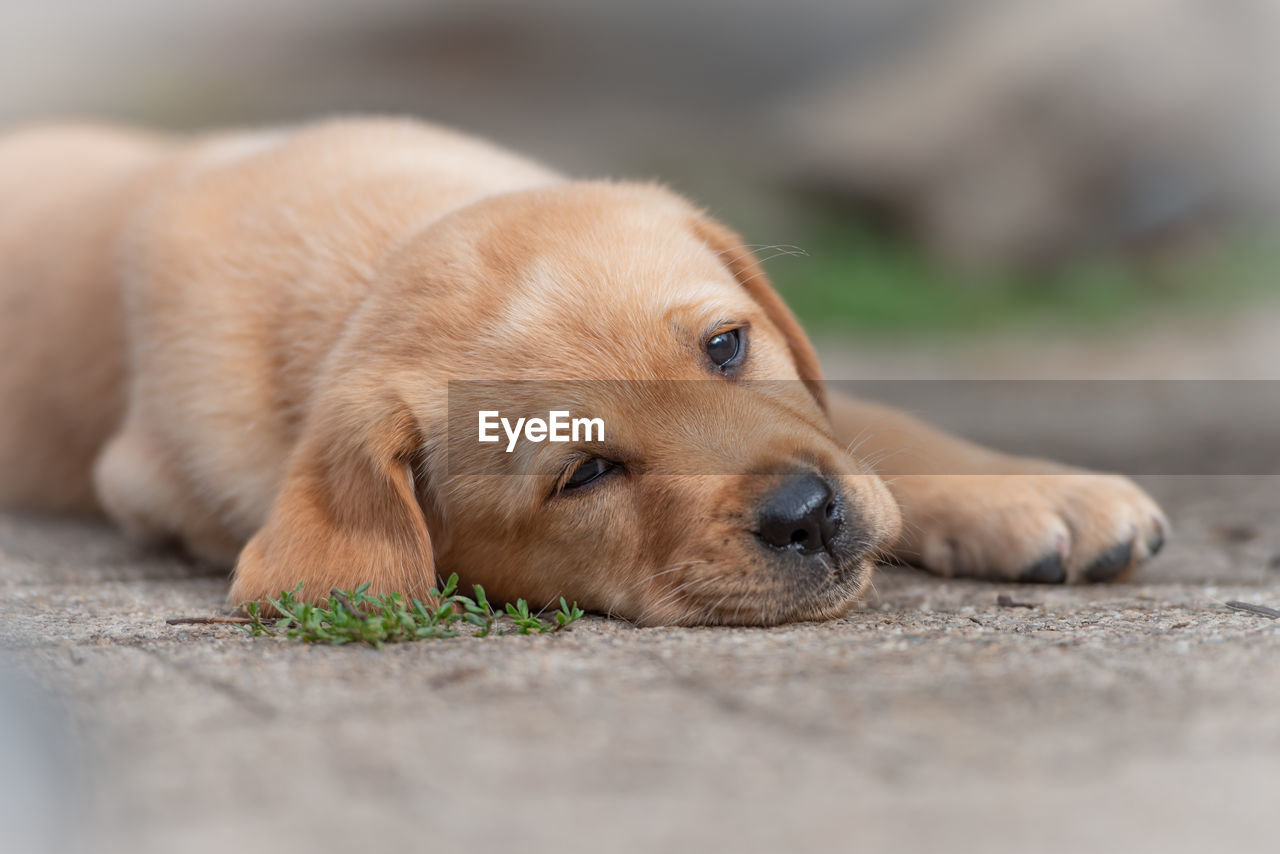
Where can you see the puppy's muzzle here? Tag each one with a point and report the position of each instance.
(801, 515)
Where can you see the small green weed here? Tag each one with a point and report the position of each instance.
(354, 616)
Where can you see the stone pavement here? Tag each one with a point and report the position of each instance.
(1134, 717)
(1104, 718)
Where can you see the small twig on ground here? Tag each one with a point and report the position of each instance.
(1004, 600)
(1260, 610)
(200, 621)
(346, 603)
(1237, 533)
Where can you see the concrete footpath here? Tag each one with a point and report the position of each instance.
(1135, 717)
(1103, 718)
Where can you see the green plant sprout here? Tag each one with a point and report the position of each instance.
(354, 616)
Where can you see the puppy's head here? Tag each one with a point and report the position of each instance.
(715, 494)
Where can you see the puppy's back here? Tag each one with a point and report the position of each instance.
(225, 263)
(67, 191)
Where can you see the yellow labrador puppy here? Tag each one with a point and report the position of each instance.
(246, 344)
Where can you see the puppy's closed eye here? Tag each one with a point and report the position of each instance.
(587, 472)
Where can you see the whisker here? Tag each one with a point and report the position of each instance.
(737, 253)
(679, 566)
(712, 610)
(671, 594)
(693, 584)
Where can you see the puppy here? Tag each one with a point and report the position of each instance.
(264, 347)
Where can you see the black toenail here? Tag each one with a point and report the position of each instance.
(1156, 543)
(1114, 561)
(1050, 570)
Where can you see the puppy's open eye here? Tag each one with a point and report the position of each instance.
(588, 472)
(726, 349)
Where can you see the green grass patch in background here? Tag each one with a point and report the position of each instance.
(852, 277)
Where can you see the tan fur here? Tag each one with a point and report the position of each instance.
(977, 513)
(244, 344)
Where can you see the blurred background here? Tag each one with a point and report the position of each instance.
(920, 168)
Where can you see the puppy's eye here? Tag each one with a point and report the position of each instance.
(726, 349)
(589, 472)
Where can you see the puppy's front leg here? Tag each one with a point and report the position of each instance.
(972, 512)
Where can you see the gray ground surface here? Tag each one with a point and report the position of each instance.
(1124, 717)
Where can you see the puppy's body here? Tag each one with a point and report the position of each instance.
(248, 338)
(62, 322)
(249, 253)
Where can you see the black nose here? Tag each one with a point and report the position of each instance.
(801, 515)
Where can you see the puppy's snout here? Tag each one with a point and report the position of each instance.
(801, 515)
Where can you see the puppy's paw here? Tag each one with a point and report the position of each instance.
(1047, 528)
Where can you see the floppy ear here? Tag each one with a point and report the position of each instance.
(742, 262)
(346, 512)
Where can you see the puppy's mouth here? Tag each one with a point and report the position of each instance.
(772, 596)
(807, 553)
